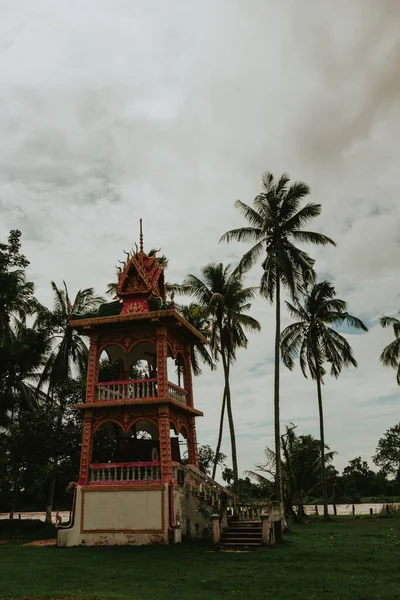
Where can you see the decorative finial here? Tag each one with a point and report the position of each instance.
(141, 236)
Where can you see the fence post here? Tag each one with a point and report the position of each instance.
(215, 528)
(354, 510)
(266, 528)
(334, 510)
(316, 510)
(371, 511)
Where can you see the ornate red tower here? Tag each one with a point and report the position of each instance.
(134, 414)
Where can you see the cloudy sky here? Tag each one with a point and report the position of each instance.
(111, 110)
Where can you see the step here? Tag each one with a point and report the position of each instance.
(242, 531)
(244, 523)
(240, 541)
(231, 546)
(241, 535)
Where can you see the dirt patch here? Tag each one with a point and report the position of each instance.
(42, 543)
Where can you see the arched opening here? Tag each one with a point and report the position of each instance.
(141, 443)
(122, 456)
(179, 446)
(110, 370)
(125, 376)
(175, 368)
(142, 361)
(106, 441)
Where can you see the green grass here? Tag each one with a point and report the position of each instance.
(341, 560)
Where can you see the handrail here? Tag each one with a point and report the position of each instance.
(126, 382)
(71, 522)
(124, 464)
(196, 473)
(177, 387)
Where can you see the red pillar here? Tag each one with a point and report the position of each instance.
(162, 371)
(86, 449)
(165, 443)
(187, 375)
(93, 369)
(192, 443)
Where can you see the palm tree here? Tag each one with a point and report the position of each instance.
(193, 316)
(313, 339)
(68, 351)
(301, 468)
(223, 300)
(390, 356)
(276, 223)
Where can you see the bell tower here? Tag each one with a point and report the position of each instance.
(134, 414)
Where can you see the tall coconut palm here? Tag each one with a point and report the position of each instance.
(69, 352)
(199, 353)
(390, 356)
(276, 224)
(224, 301)
(314, 340)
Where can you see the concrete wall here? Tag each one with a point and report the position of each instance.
(194, 521)
(110, 516)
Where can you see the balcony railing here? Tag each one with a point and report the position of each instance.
(176, 393)
(118, 473)
(134, 389)
(127, 390)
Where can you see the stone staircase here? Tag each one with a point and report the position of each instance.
(241, 535)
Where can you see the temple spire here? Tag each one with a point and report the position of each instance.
(141, 236)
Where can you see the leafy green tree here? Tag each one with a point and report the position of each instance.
(314, 340)
(248, 491)
(57, 424)
(276, 224)
(359, 480)
(21, 347)
(224, 301)
(207, 458)
(301, 469)
(69, 353)
(387, 454)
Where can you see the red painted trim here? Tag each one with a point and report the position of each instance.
(106, 383)
(117, 482)
(127, 464)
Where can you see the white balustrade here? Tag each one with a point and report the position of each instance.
(127, 390)
(176, 393)
(121, 472)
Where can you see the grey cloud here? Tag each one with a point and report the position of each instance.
(170, 111)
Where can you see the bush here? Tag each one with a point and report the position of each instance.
(26, 529)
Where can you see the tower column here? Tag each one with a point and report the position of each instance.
(86, 450)
(93, 368)
(187, 373)
(165, 443)
(192, 443)
(162, 370)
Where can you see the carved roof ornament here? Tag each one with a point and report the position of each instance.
(141, 278)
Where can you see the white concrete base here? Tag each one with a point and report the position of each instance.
(108, 515)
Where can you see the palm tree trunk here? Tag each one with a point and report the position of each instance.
(225, 363)
(322, 439)
(14, 495)
(278, 470)
(220, 432)
(50, 499)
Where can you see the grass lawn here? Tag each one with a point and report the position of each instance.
(347, 559)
